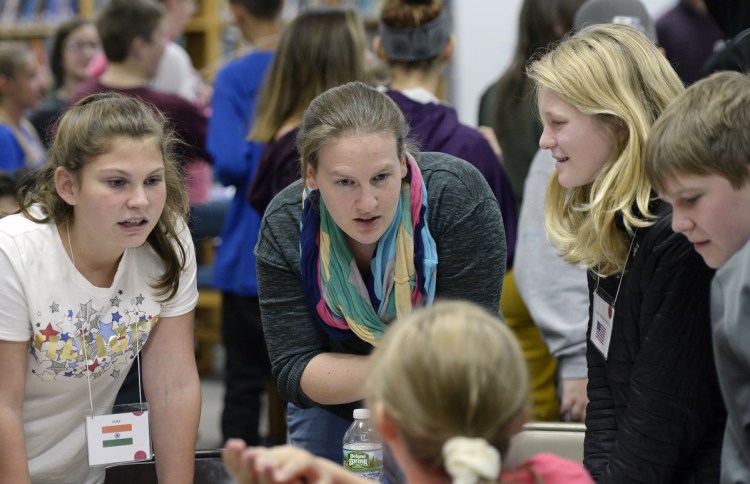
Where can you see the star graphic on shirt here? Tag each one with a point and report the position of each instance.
(58, 367)
(115, 373)
(86, 311)
(139, 299)
(119, 292)
(55, 307)
(94, 365)
(70, 314)
(115, 301)
(116, 316)
(48, 331)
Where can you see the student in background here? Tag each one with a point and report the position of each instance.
(415, 39)
(689, 36)
(247, 368)
(20, 89)
(733, 18)
(98, 276)
(176, 74)
(652, 383)
(320, 49)
(421, 386)
(698, 160)
(507, 106)
(73, 46)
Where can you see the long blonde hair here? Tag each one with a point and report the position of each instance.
(614, 73)
(434, 389)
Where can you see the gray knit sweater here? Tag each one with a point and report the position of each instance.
(463, 218)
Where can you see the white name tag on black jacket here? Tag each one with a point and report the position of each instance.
(601, 329)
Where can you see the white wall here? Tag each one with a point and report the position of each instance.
(486, 32)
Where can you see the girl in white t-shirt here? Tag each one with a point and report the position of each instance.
(97, 268)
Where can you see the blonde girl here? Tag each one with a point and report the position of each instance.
(652, 383)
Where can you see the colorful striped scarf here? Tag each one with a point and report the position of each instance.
(403, 266)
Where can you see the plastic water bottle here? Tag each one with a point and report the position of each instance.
(363, 447)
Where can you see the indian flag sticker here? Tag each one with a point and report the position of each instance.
(118, 437)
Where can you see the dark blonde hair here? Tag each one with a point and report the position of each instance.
(320, 49)
(435, 389)
(614, 73)
(353, 108)
(704, 131)
(88, 130)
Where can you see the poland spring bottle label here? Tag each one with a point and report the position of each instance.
(363, 457)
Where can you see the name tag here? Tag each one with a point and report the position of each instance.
(119, 437)
(601, 329)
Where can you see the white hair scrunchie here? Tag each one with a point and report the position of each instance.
(467, 459)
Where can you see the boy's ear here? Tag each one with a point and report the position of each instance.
(136, 46)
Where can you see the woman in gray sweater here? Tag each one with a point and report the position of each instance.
(369, 232)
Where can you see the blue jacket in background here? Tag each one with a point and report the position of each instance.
(235, 161)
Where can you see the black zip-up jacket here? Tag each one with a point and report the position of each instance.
(656, 413)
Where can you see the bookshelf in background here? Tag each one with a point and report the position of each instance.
(369, 9)
(34, 21)
(203, 35)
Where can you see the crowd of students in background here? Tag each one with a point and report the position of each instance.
(584, 212)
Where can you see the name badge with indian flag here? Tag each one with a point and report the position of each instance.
(119, 437)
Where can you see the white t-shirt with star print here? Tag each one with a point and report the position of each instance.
(46, 301)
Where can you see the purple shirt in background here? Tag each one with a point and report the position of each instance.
(436, 128)
(689, 38)
(188, 121)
